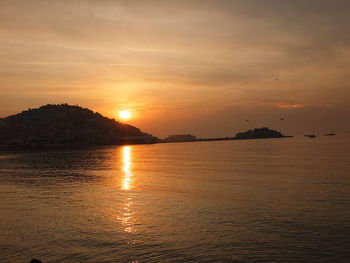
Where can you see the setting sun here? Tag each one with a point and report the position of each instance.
(125, 115)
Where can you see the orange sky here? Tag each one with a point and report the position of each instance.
(200, 67)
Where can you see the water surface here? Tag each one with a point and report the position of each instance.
(275, 200)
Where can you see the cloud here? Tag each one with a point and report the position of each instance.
(290, 106)
(163, 55)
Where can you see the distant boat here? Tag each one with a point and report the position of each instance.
(330, 134)
(310, 135)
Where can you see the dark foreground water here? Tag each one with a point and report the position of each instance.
(277, 200)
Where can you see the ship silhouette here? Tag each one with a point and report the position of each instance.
(310, 135)
(330, 134)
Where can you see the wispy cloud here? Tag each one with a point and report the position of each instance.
(197, 56)
(290, 106)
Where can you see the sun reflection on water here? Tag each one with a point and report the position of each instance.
(126, 181)
(125, 216)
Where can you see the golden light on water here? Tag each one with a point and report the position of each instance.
(126, 181)
(125, 216)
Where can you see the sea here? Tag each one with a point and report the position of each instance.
(271, 200)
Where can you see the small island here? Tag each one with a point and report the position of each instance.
(63, 125)
(259, 133)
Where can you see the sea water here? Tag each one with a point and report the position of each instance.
(273, 200)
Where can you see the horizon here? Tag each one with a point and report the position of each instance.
(199, 67)
(124, 121)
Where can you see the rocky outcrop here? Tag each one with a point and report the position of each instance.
(259, 133)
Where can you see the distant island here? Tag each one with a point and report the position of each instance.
(257, 133)
(63, 125)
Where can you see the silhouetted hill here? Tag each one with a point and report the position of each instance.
(66, 125)
(259, 133)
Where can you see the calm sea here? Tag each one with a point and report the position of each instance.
(275, 200)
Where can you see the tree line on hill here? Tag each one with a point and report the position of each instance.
(59, 125)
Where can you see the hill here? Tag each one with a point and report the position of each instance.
(259, 133)
(63, 125)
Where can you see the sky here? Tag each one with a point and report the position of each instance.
(182, 66)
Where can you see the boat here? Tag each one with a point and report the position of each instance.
(310, 135)
(330, 134)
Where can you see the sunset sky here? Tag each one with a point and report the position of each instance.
(182, 66)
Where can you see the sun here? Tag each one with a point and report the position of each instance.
(125, 114)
